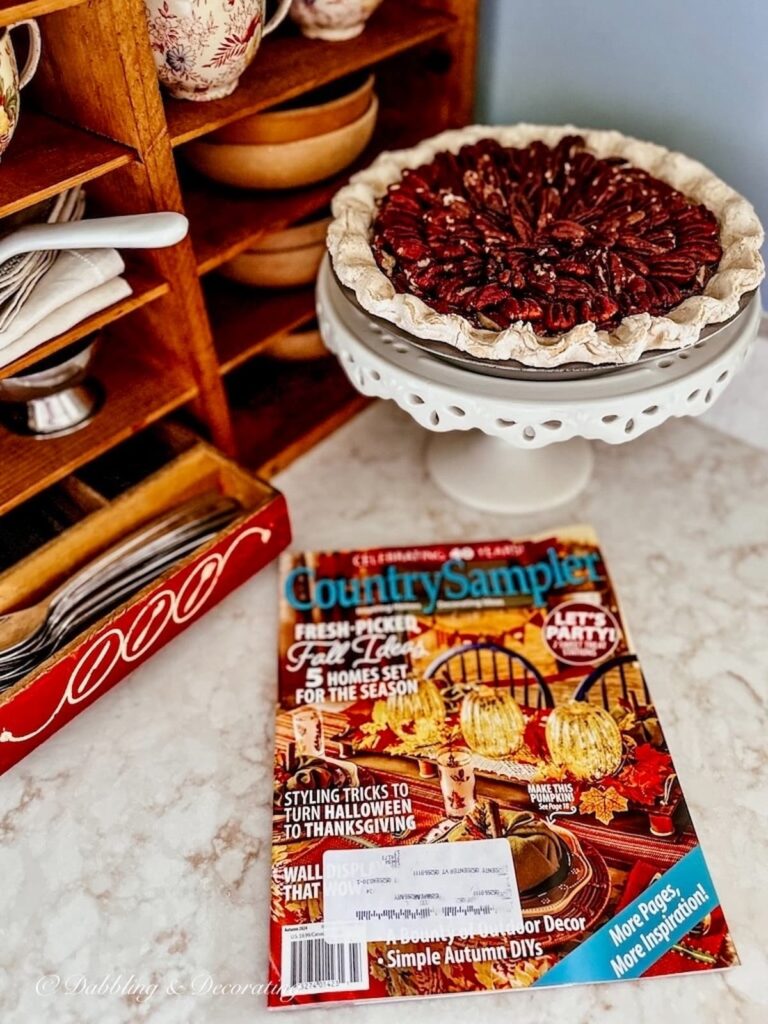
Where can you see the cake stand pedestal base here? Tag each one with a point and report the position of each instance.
(490, 474)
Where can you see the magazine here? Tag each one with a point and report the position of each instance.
(472, 787)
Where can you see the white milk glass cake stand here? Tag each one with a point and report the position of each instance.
(522, 445)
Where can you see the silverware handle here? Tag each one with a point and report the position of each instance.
(133, 231)
(123, 587)
(137, 543)
(93, 604)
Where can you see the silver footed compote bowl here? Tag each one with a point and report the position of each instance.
(53, 397)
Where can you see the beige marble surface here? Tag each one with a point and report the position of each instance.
(135, 843)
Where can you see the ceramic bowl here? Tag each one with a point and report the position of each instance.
(333, 20)
(284, 164)
(299, 345)
(316, 113)
(282, 259)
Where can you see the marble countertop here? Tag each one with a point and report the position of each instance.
(135, 844)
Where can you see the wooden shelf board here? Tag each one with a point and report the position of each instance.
(146, 285)
(280, 410)
(138, 392)
(46, 156)
(226, 221)
(245, 319)
(12, 11)
(289, 65)
(342, 412)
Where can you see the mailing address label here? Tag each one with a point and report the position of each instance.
(402, 893)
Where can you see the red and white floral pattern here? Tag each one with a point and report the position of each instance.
(334, 20)
(202, 47)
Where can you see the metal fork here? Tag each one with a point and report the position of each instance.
(17, 627)
(103, 583)
(157, 552)
(92, 610)
(142, 565)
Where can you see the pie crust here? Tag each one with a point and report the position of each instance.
(739, 271)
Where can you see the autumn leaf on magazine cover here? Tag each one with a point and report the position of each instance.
(604, 804)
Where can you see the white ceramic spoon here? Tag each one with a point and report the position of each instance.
(135, 231)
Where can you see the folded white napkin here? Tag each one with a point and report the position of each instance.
(75, 272)
(20, 274)
(66, 316)
(24, 288)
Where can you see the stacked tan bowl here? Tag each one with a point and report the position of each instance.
(292, 146)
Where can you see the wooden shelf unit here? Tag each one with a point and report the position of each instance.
(185, 337)
(293, 65)
(12, 11)
(280, 409)
(224, 222)
(245, 320)
(46, 157)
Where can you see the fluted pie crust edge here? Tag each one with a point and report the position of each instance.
(739, 272)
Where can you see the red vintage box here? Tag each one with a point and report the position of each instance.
(70, 681)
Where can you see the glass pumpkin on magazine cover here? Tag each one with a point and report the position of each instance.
(491, 721)
(585, 739)
(419, 715)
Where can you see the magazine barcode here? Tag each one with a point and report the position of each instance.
(483, 911)
(311, 964)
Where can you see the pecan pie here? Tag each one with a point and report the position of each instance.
(545, 245)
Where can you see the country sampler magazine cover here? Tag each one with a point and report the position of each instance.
(472, 788)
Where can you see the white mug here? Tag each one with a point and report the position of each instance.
(11, 80)
(201, 47)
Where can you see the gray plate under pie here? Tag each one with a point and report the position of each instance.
(514, 370)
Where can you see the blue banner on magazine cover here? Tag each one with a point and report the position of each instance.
(645, 930)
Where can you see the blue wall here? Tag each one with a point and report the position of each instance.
(689, 74)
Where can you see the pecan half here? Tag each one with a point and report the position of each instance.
(551, 236)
